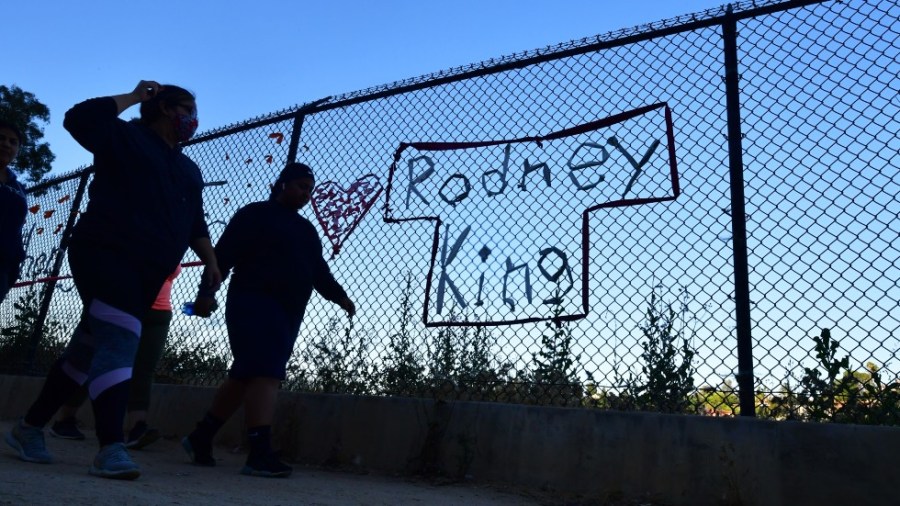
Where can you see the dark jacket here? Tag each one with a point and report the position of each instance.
(145, 200)
(12, 219)
(276, 252)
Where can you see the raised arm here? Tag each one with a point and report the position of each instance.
(144, 91)
(93, 123)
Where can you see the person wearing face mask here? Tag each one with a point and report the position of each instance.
(12, 208)
(145, 210)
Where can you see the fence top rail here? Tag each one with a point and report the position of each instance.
(683, 23)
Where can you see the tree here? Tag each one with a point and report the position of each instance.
(22, 109)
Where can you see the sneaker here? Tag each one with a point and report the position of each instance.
(113, 461)
(66, 428)
(141, 436)
(268, 466)
(29, 442)
(199, 452)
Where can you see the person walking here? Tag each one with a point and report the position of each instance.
(276, 257)
(13, 208)
(145, 210)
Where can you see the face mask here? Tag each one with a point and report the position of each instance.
(185, 126)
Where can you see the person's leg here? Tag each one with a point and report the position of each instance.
(122, 290)
(259, 401)
(70, 408)
(109, 379)
(116, 333)
(198, 444)
(66, 376)
(261, 336)
(5, 282)
(267, 369)
(150, 349)
(242, 339)
(70, 371)
(66, 425)
(228, 398)
(259, 406)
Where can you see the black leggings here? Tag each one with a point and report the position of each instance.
(154, 331)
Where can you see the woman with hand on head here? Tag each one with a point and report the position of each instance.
(276, 256)
(145, 210)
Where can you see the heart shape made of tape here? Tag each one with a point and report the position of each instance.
(339, 210)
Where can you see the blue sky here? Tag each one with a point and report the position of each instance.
(820, 116)
(246, 59)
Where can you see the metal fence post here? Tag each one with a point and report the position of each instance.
(295, 137)
(745, 379)
(38, 330)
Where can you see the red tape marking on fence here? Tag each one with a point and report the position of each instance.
(60, 278)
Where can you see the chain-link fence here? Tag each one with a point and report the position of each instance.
(658, 218)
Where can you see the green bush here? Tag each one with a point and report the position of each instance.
(185, 361)
(553, 374)
(338, 360)
(666, 382)
(461, 364)
(831, 392)
(403, 370)
(18, 339)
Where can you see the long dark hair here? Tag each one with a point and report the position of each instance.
(168, 95)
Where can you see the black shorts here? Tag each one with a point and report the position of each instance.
(261, 334)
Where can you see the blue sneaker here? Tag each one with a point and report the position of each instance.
(29, 442)
(113, 461)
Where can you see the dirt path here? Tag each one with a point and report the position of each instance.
(168, 479)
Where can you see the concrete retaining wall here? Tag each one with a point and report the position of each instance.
(577, 453)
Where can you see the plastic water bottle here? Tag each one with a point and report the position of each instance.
(188, 308)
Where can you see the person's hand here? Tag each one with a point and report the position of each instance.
(212, 277)
(204, 306)
(145, 90)
(348, 306)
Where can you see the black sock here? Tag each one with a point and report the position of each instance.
(57, 388)
(207, 428)
(109, 413)
(260, 440)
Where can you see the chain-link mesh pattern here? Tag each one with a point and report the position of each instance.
(818, 93)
